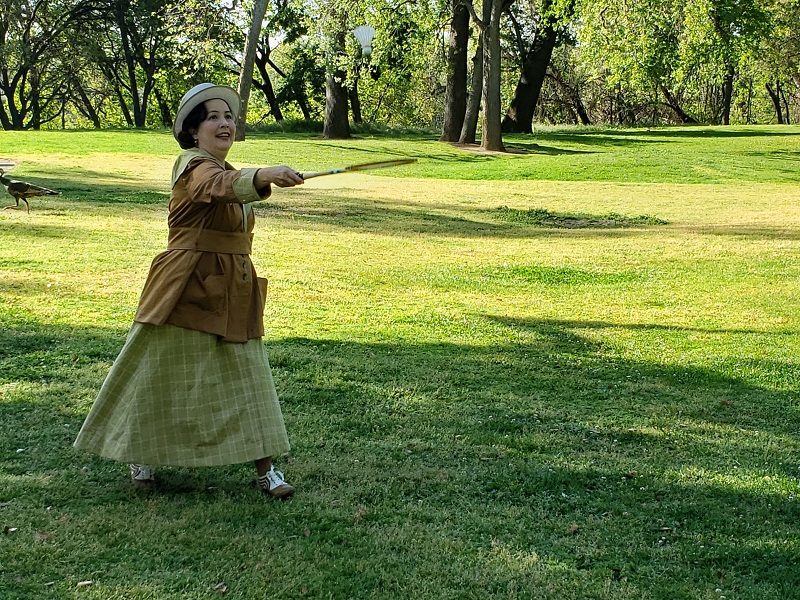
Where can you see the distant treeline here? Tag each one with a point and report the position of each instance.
(126, 63)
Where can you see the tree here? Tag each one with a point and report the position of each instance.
(78, 63)
(777, 60)
(470, 127)
(535, 60)
(570, 88)
(262, 61)
(336, 124)
(491, 126)
(455, 104)
(405, 83)
(638, 49)
(130, 52)
(489, 25)
(31, 43)
(248, 62)
(289, 23)
(304, 78)
(719, 35)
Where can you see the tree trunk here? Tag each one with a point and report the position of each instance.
(132, 86)
(519, 117)
(352, 95)
(455, 104)
(491, 134)
(88, 110)
(163, 108)
(776, 101)
(5, 122)
(575, 97)
(265, 85)
(336, 125)
(672, 102)
(355, 102)
(36, 110)
(248, 61)
(727, 95)
(782, 94)
(302, 102)
(126, 112)
(470, 127)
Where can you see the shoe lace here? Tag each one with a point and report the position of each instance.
(275, 478)
(271, 479)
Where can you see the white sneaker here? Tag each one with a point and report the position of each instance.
(141, 475)
(273, 483)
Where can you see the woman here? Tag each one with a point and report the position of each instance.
(192, 385)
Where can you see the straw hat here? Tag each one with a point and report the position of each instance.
(199, 94)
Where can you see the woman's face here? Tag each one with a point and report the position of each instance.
(215, 134)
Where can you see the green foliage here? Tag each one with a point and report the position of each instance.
(304, 80)
(126, 63)
(289, 126)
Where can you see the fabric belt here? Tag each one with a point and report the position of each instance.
(209, 240)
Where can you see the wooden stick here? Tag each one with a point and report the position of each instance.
(383, 164)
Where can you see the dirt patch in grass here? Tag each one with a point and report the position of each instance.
(541, 217)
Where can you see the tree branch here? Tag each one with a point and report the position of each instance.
(474, 15)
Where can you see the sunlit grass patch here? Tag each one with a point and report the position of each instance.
(482, 400)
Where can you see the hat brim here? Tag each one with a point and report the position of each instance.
(216, 92)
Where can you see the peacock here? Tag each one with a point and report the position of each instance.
(21, 190)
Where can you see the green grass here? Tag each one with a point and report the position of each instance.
(566, 374)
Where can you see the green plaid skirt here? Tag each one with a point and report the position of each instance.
(180, 397)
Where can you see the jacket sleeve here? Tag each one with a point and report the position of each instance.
(207, 181)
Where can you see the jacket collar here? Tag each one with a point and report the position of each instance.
(188, 156)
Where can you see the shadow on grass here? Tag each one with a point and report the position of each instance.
(615, 137)
(534, 148)
(414, 457)
(746, 231)
(87, 186)
(777, 155)
(390, 217)
(561, 324)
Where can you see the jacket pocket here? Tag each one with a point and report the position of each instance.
(262, 292)
(206, 293)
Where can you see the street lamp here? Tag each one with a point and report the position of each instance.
(364, 36)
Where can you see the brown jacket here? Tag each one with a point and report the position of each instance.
(205, 279)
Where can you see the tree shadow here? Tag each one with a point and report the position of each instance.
(608, 468)
(81, 185)
(776, 155)
(670, 132)
(385, 216)
(534, 148)
(388, 216)
(558, 324)
(753, 232)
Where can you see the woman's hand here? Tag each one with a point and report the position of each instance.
(281, 176)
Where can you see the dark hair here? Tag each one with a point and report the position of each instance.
(192, 121)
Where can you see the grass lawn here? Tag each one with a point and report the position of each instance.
(571, 372)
